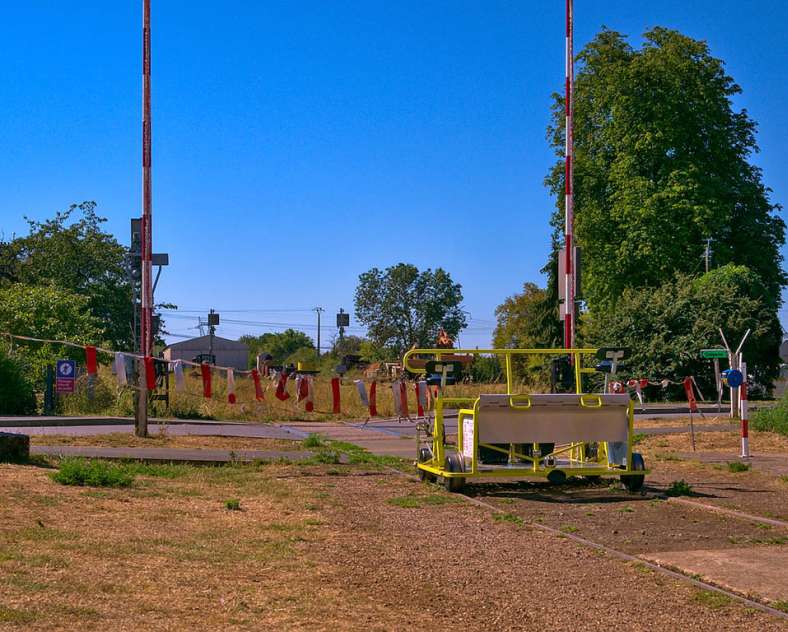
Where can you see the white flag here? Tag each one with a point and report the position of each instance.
(395, 389)
(120, 369)
(422, 393)
(180, 382)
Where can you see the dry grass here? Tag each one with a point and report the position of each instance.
(728, 442)
(118, 439)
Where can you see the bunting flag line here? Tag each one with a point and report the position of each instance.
(205, 370)
(120, 369)
(693, 404)
(419, 406)
(180, 380)
(310, 394)
(258, 389)
(362, 392)
(230, 386)
(421, 396)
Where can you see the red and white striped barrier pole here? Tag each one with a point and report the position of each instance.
(569, 288)
(744, 414)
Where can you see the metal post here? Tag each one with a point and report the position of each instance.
(211, 334)
(318, 310)
(146, 329)
(569, 288)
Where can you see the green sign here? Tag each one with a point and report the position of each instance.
(713, 354)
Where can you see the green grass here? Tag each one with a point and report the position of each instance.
(233, 504)
(568, 528)
(92, 473)
(773, 418)
(638, 437)
(507, 517)
(9, 615)
(738, 466)
(679, 488)
(314, 440)
(780, 604)
(711, 599)
(414, 501)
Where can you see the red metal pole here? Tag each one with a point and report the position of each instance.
(146, 329)
(569, 288)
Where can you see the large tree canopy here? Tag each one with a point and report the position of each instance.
(76, 256)
(662, 164)
(282, 345)
(527, 320)
(401, 306)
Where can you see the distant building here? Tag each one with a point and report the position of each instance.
(229, 353)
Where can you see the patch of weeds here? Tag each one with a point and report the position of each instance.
(780, 604)
(10, 615)
(711, 599)
(330, 457)
(662, 443)
(313, 522)
(233, 504)
(626, 510)
(738, 466)
(638, 437)
(92, 473)
(772, 419)
(506, 501)
(667, 456)
(568, 528)
(314, 440)
(642, 568)
(413, 501)
(679, 488)
(761, 525)
(507, 517)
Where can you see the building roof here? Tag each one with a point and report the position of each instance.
(203, 342)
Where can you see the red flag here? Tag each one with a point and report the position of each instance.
(258, 389)
(419, 407)
(231, 386)
(90, 360)
(335, 393)
(373, 396)
(310, 394)
(281, 387)
(205, 370)
(150, 373)
(403, 395)
(693, 404)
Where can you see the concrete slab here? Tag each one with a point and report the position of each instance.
(171, 455)
(759, 571)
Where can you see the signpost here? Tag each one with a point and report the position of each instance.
(716, 354)
(65, 376)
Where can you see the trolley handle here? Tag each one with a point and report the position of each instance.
(515, 402)
(596, 401)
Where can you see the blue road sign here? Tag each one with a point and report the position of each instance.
(733, 377)
(65, 376)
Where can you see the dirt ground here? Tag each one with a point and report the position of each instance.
(334, 548)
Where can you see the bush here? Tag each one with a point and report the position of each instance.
(679, 488)
(773, 419)
(92, 473)
(16, 390)
(232, 504)
(314, 440)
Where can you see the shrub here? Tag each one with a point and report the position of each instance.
(738, 466)
(314, 440)
(92, 473)
(16, 390)
(233, 504)
(772, 419)
(679, 488)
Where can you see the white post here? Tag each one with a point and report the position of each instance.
(744, 413)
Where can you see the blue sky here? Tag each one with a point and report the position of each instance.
(298, 144)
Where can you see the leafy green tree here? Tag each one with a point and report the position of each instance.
(77, 256)
(51, 314)
(401, 306)
(667, 327)
(527, 320)
(16, 388)
(662, 162)
(281, 345)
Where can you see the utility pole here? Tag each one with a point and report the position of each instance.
(213, 320)
(318, 310)
(569, 286)
(146, 309)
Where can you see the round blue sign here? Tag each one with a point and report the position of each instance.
(734, 378)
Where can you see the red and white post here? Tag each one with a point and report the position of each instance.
(744, 414)
(146, 316)
(569, 287)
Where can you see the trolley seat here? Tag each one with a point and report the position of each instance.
(560, 419)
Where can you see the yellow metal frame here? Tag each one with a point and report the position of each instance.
(579, 463)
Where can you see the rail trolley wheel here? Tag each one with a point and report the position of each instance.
(425, 454)
(634, 482)
(454, 463)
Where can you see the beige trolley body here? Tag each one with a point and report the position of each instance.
(522, 435)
